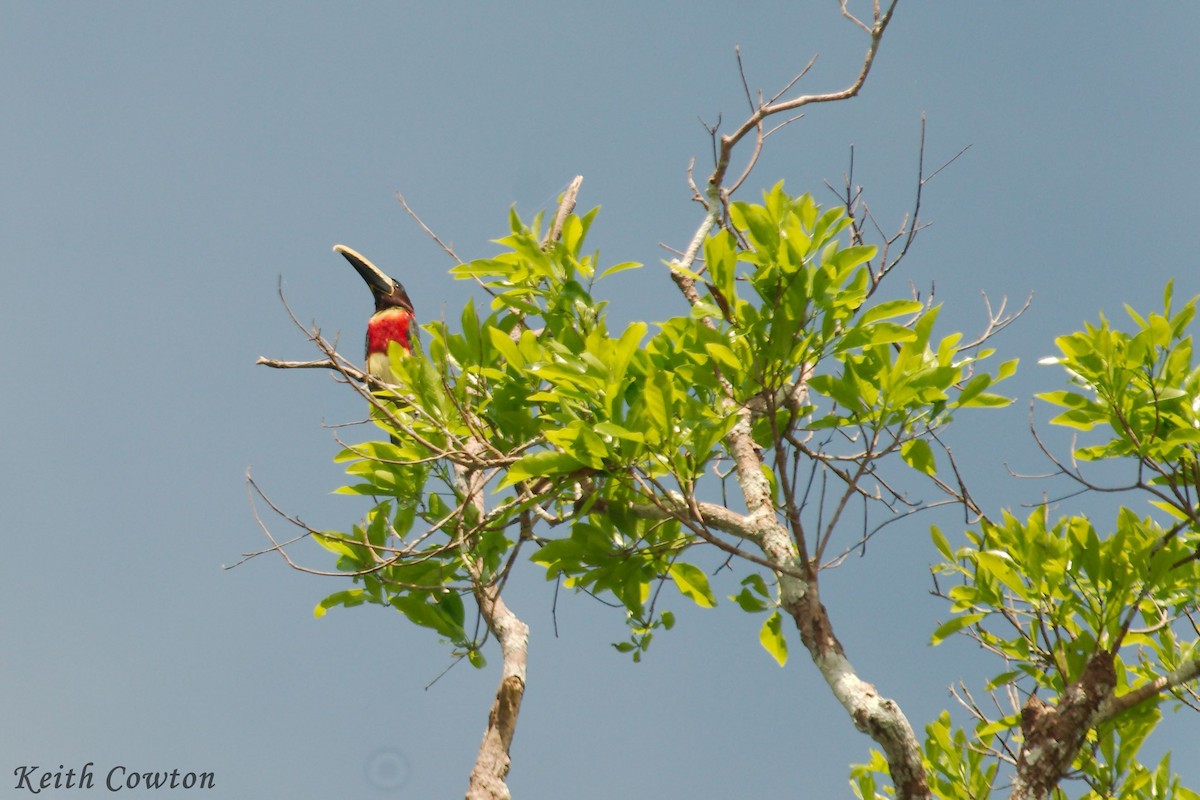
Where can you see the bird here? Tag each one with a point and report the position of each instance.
(393, 320)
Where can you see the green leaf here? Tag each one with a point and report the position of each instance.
(579, 442)
(366, 489)
(844, 390)
(692, 583)
(755, 582)
(572, 233)
(954, 625)
(919, 455)
(892, 308)
(724, 357)
(443, 615)
(618, 432)
(941, 543)
(755, 220)
(1067, 399)
(748, 602)
(850, 257)
(771, 638)
(615, 268)
(1081, 419)
(677, 268)
(1007, 369)
(1000, 565)
(483, 267)
(973, 389)
(507, 347)
(1170, 508)
(987, 400)
(346, 599)
(541, 463)
(887, 333)
(998, 726)
(559, 556)
(1002, 679)
(336, 543)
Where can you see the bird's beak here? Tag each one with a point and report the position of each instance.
(381, 285)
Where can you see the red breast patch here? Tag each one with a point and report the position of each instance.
(389, 325)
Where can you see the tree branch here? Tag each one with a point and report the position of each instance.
(493, 761)
(755, 120)
(879, 717)
(1054, 734)
(1115, 706)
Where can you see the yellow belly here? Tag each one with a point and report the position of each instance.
(380, 366)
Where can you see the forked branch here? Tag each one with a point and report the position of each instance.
(727, 142)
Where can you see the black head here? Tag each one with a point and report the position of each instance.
(388, 292)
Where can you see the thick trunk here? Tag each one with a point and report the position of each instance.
(877, 716)
(1054, 734)
(492, 764)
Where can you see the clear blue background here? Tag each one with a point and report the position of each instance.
(165, 163)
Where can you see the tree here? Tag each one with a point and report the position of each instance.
(791, 387)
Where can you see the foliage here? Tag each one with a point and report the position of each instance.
(1050, 596)
(606, 437)
(530, 431)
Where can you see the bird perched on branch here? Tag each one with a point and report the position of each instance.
(393, 320)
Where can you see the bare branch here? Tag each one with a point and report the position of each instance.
(275, 363)
(447, 249)
(799, 76)
(716, 196)
(737, 50)
(565, 206)
(1115, 706)
(770, 131)
(729, 141)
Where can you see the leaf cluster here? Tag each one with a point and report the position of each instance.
(531, 426)
(1049, 596)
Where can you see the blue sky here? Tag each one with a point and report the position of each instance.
(164, 166)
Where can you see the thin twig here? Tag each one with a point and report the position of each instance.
(565, 206)
(447, 249)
